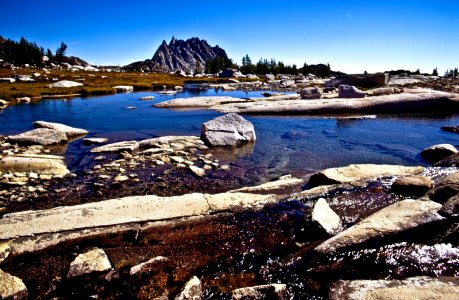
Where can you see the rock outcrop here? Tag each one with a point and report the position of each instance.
(39, 136)
(349, 91)
(65, 84)
(128, 146)
(39, 164)
(415, 186)
(311, 93)
(422, 288)
(395, 218)
(356, 173)
(227, 130)
(69, 131)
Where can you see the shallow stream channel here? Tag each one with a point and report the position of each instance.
(233, 249)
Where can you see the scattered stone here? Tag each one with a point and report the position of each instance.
(311, 93)
(381, 91)
(124, 88)
(191, 291)
(395, 218)
(93, 261)
(70, 132)
(420, 288)
(225, 167)
(150, 265)
(129, 146)
(228, 130)
(11, 287)
(40, 136)
(99, 158)
(200, 172)
(359, 172)
(415, 186)
(39, 164)
(168, 92)
(437, 153)
(64, 84)
(177, 159)
(268, 291)
(326, 217)
(349, 91)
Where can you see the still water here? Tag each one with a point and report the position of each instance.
(285, 144)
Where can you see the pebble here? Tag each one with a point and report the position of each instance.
(121, 178)
(99, 158)
(97, 167)
(225, 167)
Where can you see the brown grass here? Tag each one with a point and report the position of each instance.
(94, 83)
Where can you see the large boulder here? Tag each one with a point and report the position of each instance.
(359, 172)
(70, 132)
(39, 136)
(450, 207)
(268, 291)
(64, 84)
(230, 73)
(227, 130)
(323, 215)
(395, 218)
(349, 91)
(40, 164)
(191, 291)
(438, 152)
(11, 287)
(420, 288)
(311, 93)
(93, 261)
(416, 186)
(445, 188)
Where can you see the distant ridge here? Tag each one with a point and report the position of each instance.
(179, 55)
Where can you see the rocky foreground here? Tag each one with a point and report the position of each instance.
(356, 232)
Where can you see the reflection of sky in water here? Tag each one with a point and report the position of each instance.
(284, 144)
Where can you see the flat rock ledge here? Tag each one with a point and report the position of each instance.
(69, 131)
(420, 288)
(360, 172)
(39, 164)
(122, 211)
(392, 219)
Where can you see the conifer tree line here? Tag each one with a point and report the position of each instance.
(25, 52)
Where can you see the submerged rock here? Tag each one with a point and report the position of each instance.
(228, 130)
(437, 153)
(420, 288)
(268, 291)
(359, 172)
(11, 287)
(191, 291)
(323, 215)
(39, 136)
(395, 218)
(93, 261)
(149, 265)
(92, 141)
(70, 132)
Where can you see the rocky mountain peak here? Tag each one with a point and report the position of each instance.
(181, 55)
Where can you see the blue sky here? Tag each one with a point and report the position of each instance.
(353, 36)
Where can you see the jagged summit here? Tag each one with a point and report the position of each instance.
(179, 55)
